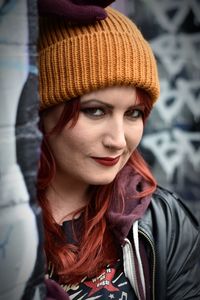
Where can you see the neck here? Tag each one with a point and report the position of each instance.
(65, 197)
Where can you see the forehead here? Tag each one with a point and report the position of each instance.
(113, 95)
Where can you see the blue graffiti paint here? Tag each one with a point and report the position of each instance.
(33, 69)
(7, 6)
(16, 65)
(6, 42)
(4, 242)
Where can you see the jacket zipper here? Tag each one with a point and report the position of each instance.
(154, 260)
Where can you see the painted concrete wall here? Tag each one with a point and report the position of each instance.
(21, 259)
(171, 143)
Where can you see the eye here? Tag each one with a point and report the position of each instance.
(134, 113)
(94, 112)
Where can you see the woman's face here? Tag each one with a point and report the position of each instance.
(108, 130)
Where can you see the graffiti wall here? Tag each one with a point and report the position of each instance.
(21, 259)
(171, 142)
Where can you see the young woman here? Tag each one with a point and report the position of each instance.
(110, 231)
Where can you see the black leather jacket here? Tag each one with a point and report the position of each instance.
(172, 234)
(170, 237)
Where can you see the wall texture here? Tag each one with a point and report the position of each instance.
(21, 259)
(171, 142)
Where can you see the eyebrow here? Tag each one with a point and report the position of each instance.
(97, 102)
(105, 104)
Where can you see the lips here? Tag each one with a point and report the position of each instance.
(107, 161)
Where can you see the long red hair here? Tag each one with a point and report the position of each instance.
(97, 247)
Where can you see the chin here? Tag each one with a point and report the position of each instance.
(102, 180)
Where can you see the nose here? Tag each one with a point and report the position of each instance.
(115, 137)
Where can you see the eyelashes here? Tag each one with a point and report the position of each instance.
(93, 111)
(99, 112)
(135, 113)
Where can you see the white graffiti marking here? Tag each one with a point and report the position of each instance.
(177, 51)
(171, 149)
(180, 9)
(189, 92)
(185, 141)
(173, 100)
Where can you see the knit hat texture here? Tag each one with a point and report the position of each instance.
(75, 60)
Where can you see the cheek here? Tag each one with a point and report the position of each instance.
(135, 136)
(83, 133)
(77, 139)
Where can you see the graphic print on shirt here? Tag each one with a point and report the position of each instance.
(102, 281)
(110, 284)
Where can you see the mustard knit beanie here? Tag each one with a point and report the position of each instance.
(75, 60)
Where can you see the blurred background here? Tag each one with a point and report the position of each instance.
(171, 142)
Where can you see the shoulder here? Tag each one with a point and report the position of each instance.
(170, 206)
(175, 235)
(169, 216)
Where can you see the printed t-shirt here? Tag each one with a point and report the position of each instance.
(110, 284)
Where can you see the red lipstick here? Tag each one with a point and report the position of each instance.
(107, 161)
